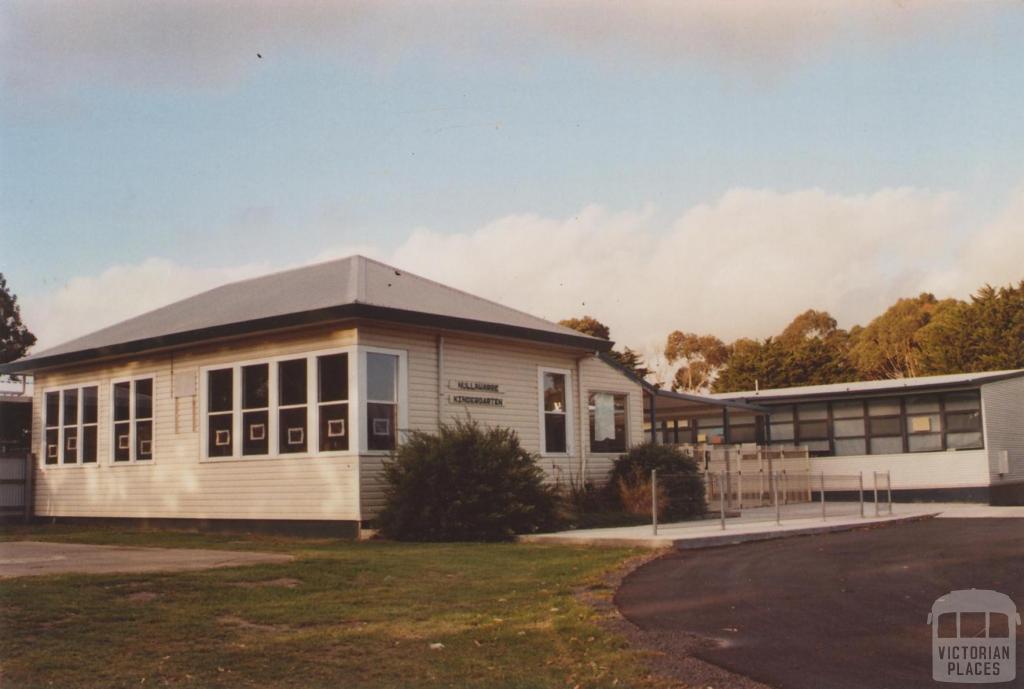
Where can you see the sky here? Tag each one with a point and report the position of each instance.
(705, 166)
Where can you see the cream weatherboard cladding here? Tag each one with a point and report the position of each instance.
(179, 483)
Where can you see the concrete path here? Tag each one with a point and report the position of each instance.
(29, 558)
(759, 524)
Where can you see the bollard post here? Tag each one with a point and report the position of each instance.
(888, 489)
(654, 501)
(875, 476)
(778, 515)
(739, 488)
(862, 494)
(823, 517)
(721, 497)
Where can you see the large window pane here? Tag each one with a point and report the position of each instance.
(961, 401)
(782, 414)
(255, 387)
(380, 426)
(848, 409)
(89, 440)
(608, 422)
(963, 421)
(291, 382)
(90, 403)
(220, 392)
(782, 431)
(742, 434)
(219, 440)
(122, 401)
(333, 379)
(122, 441)
(334, 427)
(143, 440)
(851, 446)
(292, 430)
(846, 428)
(70, 407)
(925, 442)
(815, 430)
(922, 404)
(884, 407)
(52, 409)
(554, 392)
(812, 411)
(144, 399)
(886, 446)
(554, 433)
(52, 445)
(886, 427)
(964, 441)
(924, 423)
(381, 377)
(70, 445)
(255, 432)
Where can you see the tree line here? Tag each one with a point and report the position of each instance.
(916, 336)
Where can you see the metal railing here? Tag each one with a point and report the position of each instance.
(780, 496)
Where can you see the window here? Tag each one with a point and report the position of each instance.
(781, 427)
(332, 400)
(305, 405)
(555, 411)
(220, 415)
(963, 420)
(381, 400)
(742, 427)
(292, 392)
(133, 420)
(607, 422)
(924, 423)
(256, 409)
(848, 428)
(885, 425)
(710, 429)
(69, 420)
(812, 427)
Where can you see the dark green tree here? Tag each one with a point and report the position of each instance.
(15, 338)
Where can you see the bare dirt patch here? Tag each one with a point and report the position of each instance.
(283, 582)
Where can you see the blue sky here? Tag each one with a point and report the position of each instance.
(154, 135)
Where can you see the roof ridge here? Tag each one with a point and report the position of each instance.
(477, 298)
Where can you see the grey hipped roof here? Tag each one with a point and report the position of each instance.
(353, 287)
(860, 388)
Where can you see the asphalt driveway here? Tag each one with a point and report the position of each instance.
(28, 558)
(843, 611)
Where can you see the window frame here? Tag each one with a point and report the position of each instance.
(131, 421)
(79, 426)
(625, 411)
(356, 355)
(570, 412)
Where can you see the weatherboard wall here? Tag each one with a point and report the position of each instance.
(179, 483)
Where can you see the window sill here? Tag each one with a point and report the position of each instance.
(143, 463)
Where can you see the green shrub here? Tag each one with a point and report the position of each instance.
(465, 483)
(680, 485)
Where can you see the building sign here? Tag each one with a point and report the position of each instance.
(477, 400)
(475, 386)
(476, 393)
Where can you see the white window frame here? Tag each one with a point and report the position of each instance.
(402, 398)
(356, 404)
(79, 425)
(614, 393)
(570, 435)
(132, 445)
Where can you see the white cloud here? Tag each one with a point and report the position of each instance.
(88, 303)
(742, 265)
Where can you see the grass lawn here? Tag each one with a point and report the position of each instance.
(343, 614)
